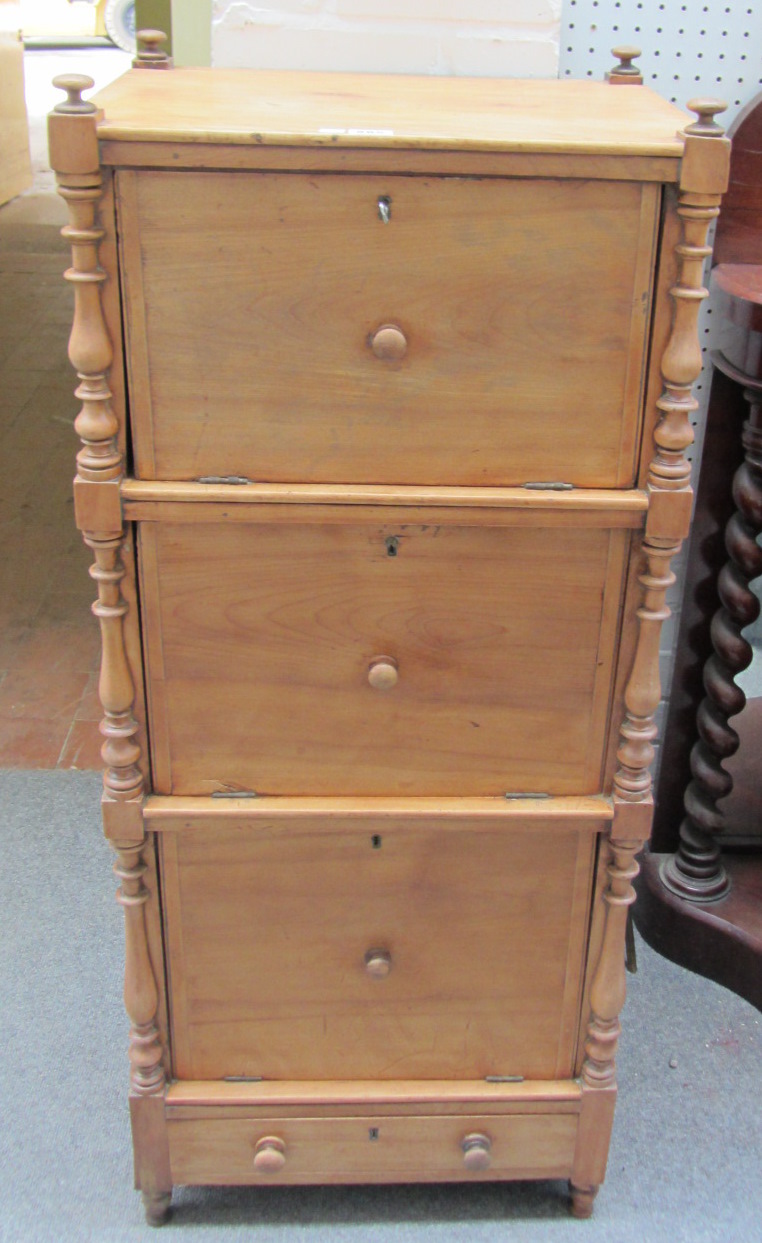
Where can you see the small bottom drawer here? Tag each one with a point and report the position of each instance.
(412, 1148)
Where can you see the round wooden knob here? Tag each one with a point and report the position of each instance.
(389, 343)
(378, 963)
(477, 1151)
(705, 109)
(74, 84)
(151, 54)
(269, 1155)
(383, 673)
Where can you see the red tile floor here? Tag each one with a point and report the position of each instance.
(48, 638)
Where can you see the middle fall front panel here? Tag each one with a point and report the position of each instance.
(366, 654)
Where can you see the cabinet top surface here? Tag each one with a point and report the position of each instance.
(327, 109)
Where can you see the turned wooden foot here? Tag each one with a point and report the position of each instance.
(581, 1204)
(158, 1207)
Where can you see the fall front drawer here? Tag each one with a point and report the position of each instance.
(386, 329)
(301, 649)
(356, 943)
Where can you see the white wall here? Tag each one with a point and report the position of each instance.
(480, 38)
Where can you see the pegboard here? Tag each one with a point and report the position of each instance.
(688, 50)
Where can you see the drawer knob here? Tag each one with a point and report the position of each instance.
(269, 1155)
(378, 963)
(383, 673)
(477, 1151)
(389, 343)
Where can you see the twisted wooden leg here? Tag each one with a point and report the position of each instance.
(696, 871)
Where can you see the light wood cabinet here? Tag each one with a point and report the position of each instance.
(385, 401)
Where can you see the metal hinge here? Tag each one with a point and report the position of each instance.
(222, 479)
(550, 486)
(503, 1078)
(234, 794)
(242, 1078)
(525, 794)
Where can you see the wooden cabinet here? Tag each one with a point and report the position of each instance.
(385, 401)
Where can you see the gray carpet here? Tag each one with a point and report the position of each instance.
(687, 1149)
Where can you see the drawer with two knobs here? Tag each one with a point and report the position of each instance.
(412, 1148)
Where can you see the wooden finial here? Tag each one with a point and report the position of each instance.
(625, 73)
(74, 84)
(705, 109)
(151, 55)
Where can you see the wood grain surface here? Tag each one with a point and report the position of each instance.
(344, 1097)
(388, 111)
(484, 928)
(259, 637)
(253, 300)
(353, 1150)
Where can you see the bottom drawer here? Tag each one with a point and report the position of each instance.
(370, 1149)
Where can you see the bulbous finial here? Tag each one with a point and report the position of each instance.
(625, 71)
(151, 54)
(74, 84)
(705, 109)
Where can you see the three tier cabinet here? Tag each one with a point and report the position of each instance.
(385, 394)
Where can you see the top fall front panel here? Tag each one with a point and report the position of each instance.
(385, 329)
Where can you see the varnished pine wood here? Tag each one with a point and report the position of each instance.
(547, 813)
(453, 163)
(448, 410)
(247, 107)
(251, 640)
(346, 350)
(461, 999)
(399, 1096)
(625, 73)
(340, 1150)
(239, 502)
(668, 478)
(100, 468)
(151, 53)
(141, 999)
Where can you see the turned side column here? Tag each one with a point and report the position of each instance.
(97, 493)
(703, 177)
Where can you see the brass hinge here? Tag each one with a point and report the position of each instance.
(550, 486)
(238, 479)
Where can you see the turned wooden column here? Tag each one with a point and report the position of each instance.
(72, 129)
(667, 479)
